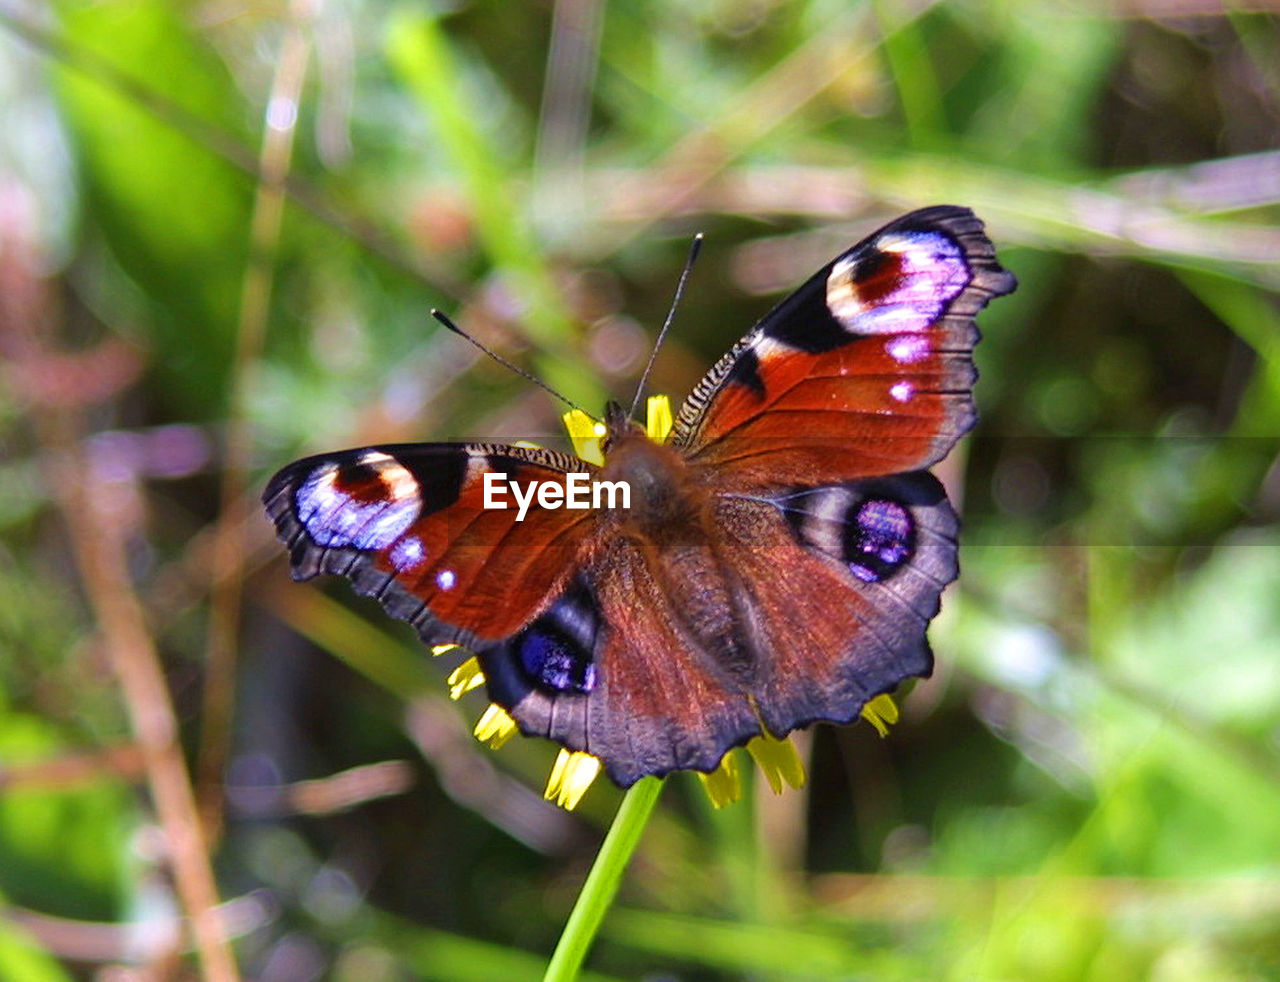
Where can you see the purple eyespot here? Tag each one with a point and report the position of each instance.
(555, 662)
(335, 515)
(879, 539)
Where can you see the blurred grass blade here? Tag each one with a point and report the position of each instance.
(175, 215)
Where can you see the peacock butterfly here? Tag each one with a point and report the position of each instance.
(778, 557)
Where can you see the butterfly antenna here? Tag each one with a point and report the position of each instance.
(443, 318)
(694, 248)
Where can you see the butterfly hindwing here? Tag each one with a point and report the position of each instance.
(866, 370)
(844, 583)
(833, 589)
(656, 701)
(407, 524)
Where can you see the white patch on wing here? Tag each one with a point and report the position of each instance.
(766, 347)
(902, 391)
(335, 518)
(931, 271)
(477, 467)
(408, 553)
(842, 293)
(907, 349)
(395, 477)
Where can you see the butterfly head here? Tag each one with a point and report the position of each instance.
(619, 426)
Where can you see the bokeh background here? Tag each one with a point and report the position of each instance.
(222, 225)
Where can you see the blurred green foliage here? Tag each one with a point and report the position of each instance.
(1089, 787)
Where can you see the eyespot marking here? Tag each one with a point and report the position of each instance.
(555, 661)
(900, 283)
(879, 539)
(555, 651)
(368, 504)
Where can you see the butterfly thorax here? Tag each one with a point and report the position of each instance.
(662, 497)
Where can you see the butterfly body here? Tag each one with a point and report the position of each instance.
(776, 561)
(663, 499)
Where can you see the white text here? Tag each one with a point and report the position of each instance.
(577, 491)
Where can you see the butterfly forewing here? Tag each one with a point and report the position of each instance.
(408, 525)
(866, 370)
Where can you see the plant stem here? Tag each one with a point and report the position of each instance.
(602, 882)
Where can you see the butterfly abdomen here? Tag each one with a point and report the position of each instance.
(708, 608)
(671, 525)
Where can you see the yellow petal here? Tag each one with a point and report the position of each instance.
(880, 712)
(571, 775)
(658, 421)
(585, 433)
(723, 785)
(464, 678)
(778, 760)
(495, 727)
(440, 649)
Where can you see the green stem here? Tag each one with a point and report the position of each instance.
(602, 882)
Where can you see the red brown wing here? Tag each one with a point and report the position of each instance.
(843, 581)
(608, 670)
(819, 601)
(866, 370)
(407, 524)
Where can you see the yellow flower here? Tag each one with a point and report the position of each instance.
(585, 434)
(723, 785)
(495, 727)
(658, 421)
(464, 678)
(778, 760)
(880, 712)
(571, 775)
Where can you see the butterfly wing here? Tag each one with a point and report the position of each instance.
(822, 597)
(866, 370)
(811, 435)
(624, 684)
(843, 582)
(408, 525)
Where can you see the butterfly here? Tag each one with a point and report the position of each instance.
(777, 560)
